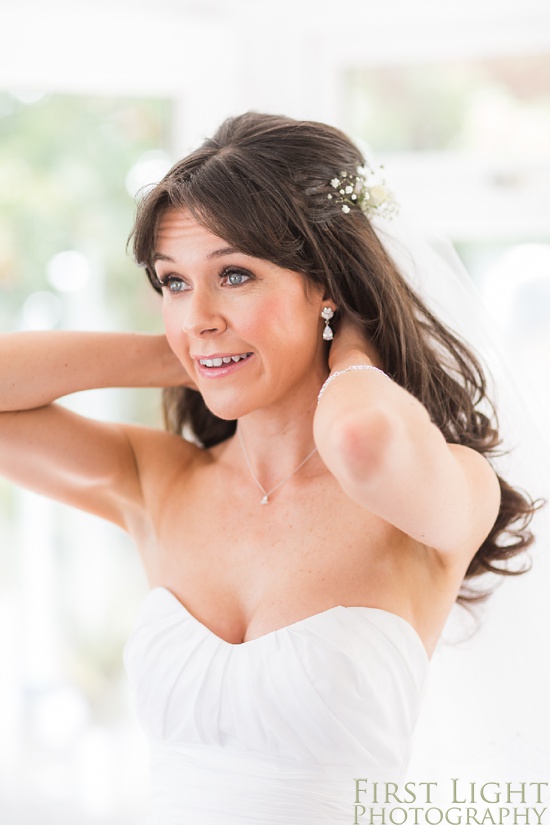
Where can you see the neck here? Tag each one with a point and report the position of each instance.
(275, 441)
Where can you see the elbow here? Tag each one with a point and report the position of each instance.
(362, 443)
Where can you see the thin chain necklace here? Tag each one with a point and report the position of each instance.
(267, 493)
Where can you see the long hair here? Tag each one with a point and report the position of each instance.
(260, 183)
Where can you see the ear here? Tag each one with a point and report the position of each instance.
(327, 301)
(320, 297)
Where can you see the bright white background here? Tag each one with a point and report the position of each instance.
(486, 716)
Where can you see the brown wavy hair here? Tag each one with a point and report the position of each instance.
(260, 183)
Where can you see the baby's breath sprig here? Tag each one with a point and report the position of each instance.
(367, 190)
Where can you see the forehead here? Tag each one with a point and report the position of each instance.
(177, 228)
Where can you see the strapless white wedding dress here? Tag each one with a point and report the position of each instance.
(274, 730)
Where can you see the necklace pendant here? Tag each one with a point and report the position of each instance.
(265, 500)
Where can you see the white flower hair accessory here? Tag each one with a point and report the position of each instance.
(367, 190)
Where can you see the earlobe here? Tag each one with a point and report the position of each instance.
(328, 301)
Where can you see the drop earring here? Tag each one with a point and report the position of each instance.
(327, 314)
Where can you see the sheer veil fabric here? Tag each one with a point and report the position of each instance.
(484, 713)
(433, 269)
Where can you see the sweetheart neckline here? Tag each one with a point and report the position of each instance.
(273, 633)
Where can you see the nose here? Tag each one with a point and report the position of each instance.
(202, 315)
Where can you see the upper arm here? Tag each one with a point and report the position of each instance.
(446, 496)
(82, 462)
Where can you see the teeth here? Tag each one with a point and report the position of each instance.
(217, 362)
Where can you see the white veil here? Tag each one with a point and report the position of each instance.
(432, 267)
(485, 715)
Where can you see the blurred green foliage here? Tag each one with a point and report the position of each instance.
(63, 166)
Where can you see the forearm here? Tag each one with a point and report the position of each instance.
(36, 368)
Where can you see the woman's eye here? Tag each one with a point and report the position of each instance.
(236, 278)
(173, 285)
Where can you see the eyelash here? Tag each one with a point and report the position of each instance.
(166, 282)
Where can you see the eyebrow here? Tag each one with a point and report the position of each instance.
(217, 253)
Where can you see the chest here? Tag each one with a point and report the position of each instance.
(213, 533)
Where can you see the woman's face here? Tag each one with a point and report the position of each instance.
(246, 330)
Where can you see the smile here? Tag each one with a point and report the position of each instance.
(225, 359)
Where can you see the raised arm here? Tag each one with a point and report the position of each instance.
(47, 448)
(379, 442)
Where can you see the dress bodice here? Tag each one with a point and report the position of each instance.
(276, 729)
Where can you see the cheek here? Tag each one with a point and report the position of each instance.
(267, 322)
(284, 319)
(171, 325)
(295, 325)
(268, 330)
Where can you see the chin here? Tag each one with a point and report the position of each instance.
(228, 411)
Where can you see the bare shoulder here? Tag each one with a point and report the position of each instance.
(161, 461)
(159, 454)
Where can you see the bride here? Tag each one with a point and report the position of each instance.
(307, 537)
